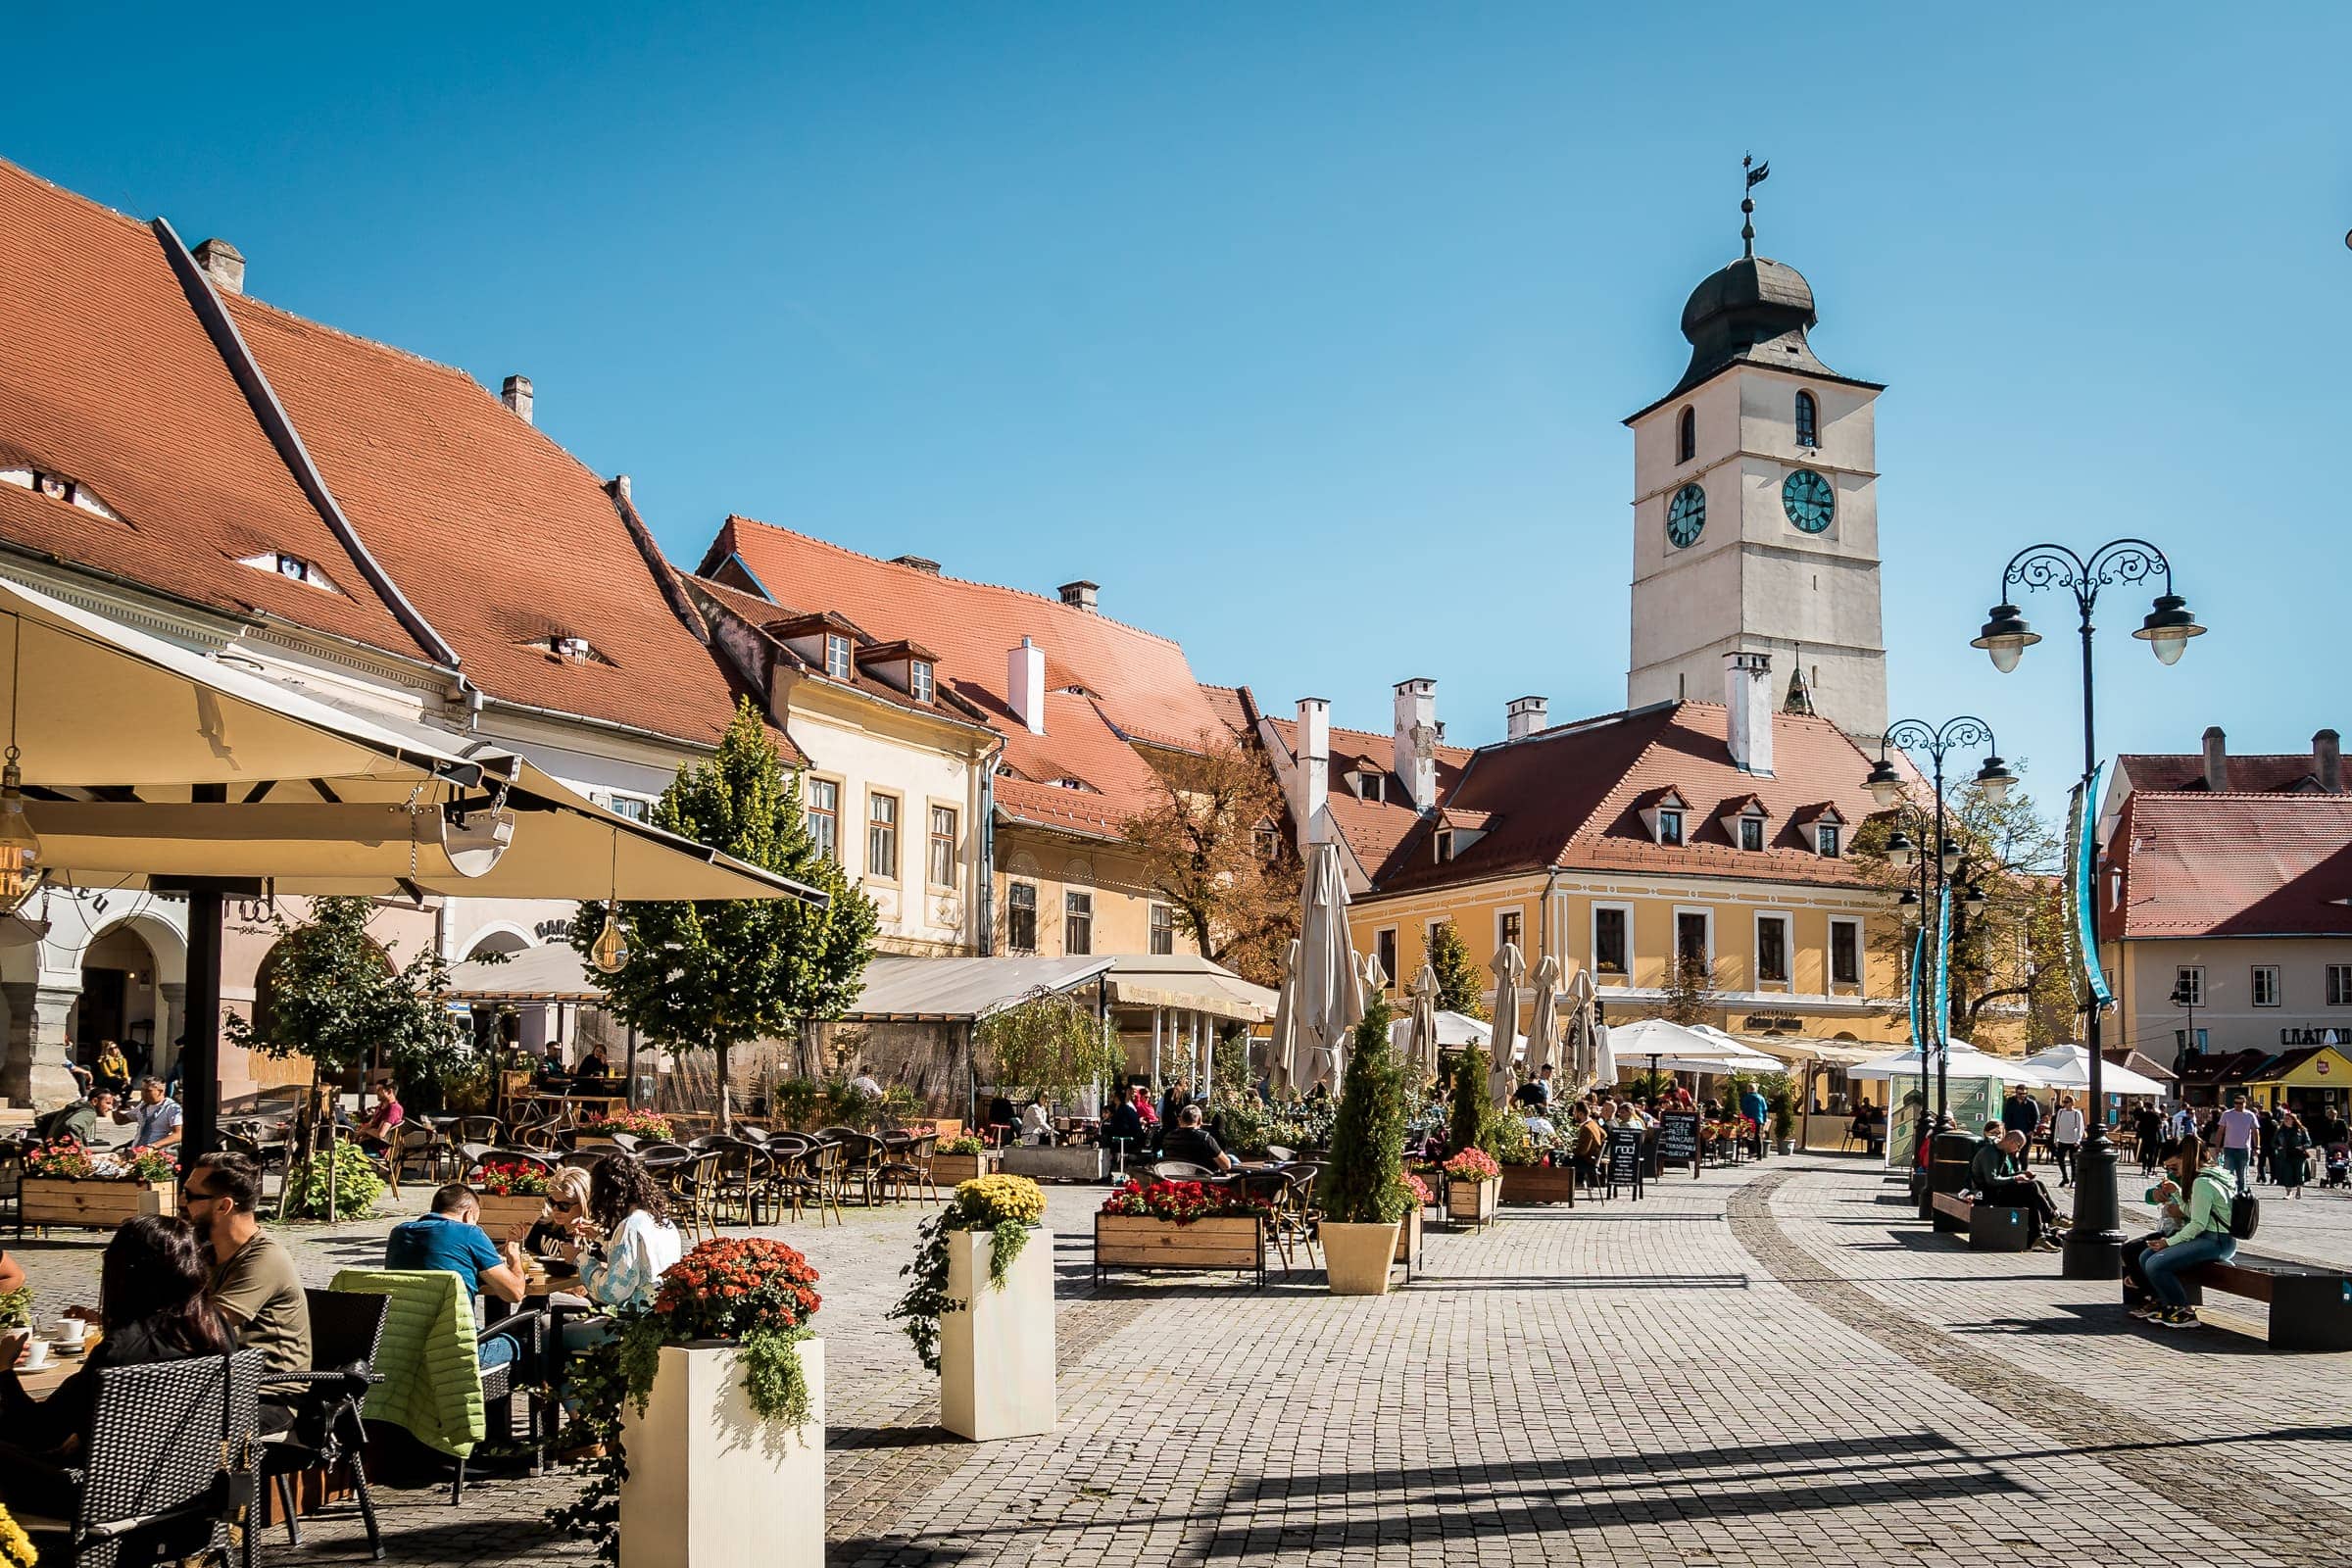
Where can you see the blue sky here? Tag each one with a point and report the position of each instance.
(1306, 331)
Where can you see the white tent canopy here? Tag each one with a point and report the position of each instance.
(2069, 1067)
(1966, 1061)
(1676, 1048)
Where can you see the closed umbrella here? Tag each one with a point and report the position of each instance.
(1511, 972)
(1282, 1064)
(1584, 1031)
(1424, 1043)
(1331, 995)
(1542, 1030)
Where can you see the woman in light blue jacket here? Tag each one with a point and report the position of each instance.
(2203, 1238)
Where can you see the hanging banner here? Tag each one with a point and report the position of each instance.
(1943, 968)
(1918, 950)
(2082, 882)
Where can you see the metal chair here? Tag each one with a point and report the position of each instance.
(322, 1406)
(478, 1130)
(907, 1166)
(693, 1187)
(501, 1383)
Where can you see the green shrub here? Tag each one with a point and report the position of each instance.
(1468, 1127)
(1364, 1184)
(356, 1186)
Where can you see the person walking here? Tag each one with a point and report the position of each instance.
(2066, 1137)
(2203, 1238)
(2239, 1128)
(2147, 1128)
(2290, 1153)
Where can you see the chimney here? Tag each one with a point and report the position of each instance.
(1747, 697)
(1314, 771)
(1523, 716)
(1415, 754)
(2217, 759)
(1080, 595)
(516, 395)
(223, 264)
(1025, 685)
(2327, 761)
(922, 563)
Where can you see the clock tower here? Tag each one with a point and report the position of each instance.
(1755, 508)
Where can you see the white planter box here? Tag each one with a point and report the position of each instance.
(710, 1483)
(1056, 1163)
(996, 1358)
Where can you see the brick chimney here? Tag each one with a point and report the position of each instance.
(922, 563)
(2327, 761)
(1523, 716)
(223, 264)
(2217, 759)
(1025, 685)
(1414, 752)
(1314, 771)
(1080, 595)
(1747, 698)
(516, 395)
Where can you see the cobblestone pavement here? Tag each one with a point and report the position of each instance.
(1770, 1365)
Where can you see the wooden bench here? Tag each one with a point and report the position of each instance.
(2311, 1307)
(1990, 1226)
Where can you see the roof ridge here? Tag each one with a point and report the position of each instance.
(78, 198)
(946, 576)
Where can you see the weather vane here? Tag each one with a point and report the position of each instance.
(1757, 174)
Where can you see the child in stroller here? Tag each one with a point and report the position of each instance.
(2339, 1166)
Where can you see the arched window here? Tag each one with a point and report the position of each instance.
(1808, 421)
(1687, 444)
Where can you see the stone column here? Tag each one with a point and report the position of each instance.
(34, 1072)
(170, 1018)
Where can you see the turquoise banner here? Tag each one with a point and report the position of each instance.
(2082, 886)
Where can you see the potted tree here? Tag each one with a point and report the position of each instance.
(1050, 1045)
(1473, 1176)
(1363, 1195)
(980, 1309)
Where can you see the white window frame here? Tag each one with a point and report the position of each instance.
(1162, 926)
(1674, 934)
(2255, 987)
(2340, 985)
(918, 679)
(896, 826)
(954, 844)
(1829, 959)
(1593, 931)
(1505, 911)
(1787, 922)
(811, 813)
(840, 659)
(2189, 977)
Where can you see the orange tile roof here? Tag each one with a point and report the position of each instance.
(108, 377)
(1376, 830)
(769, 618)
(2201, 864)
(2255, 773)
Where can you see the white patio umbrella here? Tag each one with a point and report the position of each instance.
(1667, 1046)
(1966, 1061)
(1511, 972)
(1584, 1032)
(1331, 996)
(1422, 1048)
(1282, 1050)
(1544, 1029)
(2069, 1067)
(1604, 1055)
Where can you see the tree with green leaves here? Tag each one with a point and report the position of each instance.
(1049, 1046)
(1365, 1183)
(1461, 988)
(1688, 996)
(714, 976)
(330, 993)
(1469, 1120)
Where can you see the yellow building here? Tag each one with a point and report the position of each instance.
(1616, 845)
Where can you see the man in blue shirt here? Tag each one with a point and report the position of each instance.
(1755, 1109)
(452, 1237)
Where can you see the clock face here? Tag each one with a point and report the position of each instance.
(1685, 515)
(1809, 499)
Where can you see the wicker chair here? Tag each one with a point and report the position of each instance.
(905, 1170)
(478, 1130)
(794, 1182)
(1180, 1171)
(861, 1160)
(1273, 1188)
(693, 1187)
(739, 1182)
(168, 1470)
(322, 1406)
(501, 1383)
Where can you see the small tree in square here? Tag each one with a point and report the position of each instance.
(717, 974)
(1364, 1184)
(1461, 987)
(1469, 1121)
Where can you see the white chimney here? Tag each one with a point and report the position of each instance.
(223, 263)
(1415, 753)
(2217, 757)
(516, 395)
(2327, 761)
(1523, 716)
(1314, 771)
(1747, 697)
(1025, 685)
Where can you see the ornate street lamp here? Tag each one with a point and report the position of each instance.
(2094, 1242)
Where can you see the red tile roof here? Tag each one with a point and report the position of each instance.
(1572, 796)
(2257, 773)
(2198, 864)
(1376, 829)
(108, 377)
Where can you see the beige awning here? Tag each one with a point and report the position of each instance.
(1189, 984)
(553, 972)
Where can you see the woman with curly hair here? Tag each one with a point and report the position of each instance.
(623, 1245)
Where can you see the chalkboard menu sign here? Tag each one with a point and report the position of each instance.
(1678, 1138)
(1625, 1160)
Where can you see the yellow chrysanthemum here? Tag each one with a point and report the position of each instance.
(993, 1200)
(16, 1547)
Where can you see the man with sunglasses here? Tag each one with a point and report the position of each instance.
(255, 1286)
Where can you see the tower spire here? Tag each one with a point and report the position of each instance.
(1756, 173)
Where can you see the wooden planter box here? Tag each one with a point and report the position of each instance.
(105, 1204)
(1472, 1204)
(1409, 1240)
(499, 1212)
(1538, 1184)
(949, 1169)
(1132, 1240)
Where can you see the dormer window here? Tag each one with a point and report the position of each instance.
(918, 681)
(1670, 826)
(57, 487)
(1826, 839)
(1751, 833)
(837, 655)
(1444, 844)
(293, 568)
(574, 650)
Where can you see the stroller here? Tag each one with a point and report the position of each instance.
(2339, 1166)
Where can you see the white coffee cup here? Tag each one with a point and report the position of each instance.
(70, 1331)
(37, 1355)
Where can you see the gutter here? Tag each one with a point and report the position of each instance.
(987, 890)
(279, 426)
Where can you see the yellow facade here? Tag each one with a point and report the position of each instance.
(1053, 866)
(1556, 914)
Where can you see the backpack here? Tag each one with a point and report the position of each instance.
(2245, 1215)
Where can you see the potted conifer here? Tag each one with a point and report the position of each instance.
(1363, 1195)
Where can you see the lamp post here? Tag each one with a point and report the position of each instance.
(1938, 859)
(2094, 1242)
(2186, 1001)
